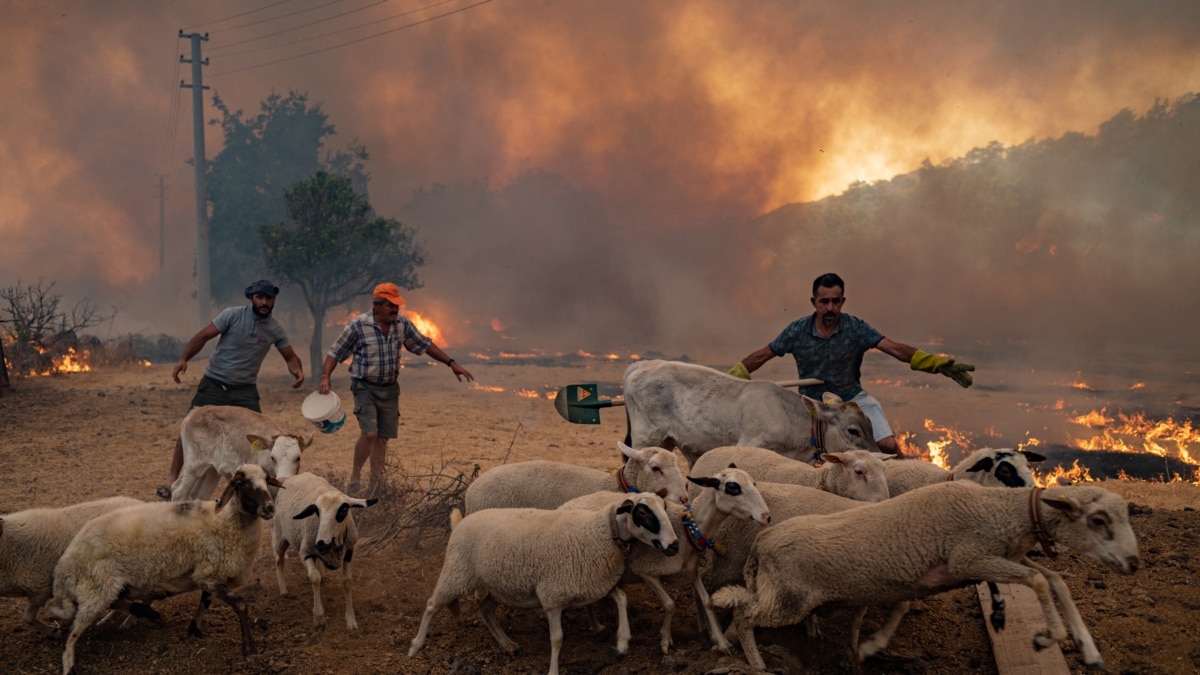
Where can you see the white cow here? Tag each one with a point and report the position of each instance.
(671, 404)
(217, 439)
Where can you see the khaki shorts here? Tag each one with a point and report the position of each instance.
(377, 407)
(874, 412)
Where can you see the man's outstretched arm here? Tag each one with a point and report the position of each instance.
(926, 362)
(752, 362)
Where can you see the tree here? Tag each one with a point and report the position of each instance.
(264, 155)
(336, 249)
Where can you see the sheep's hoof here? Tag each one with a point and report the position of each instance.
(1098, 665)
(998, 621)
(618, 654)
(194, 630)
(1042, 640)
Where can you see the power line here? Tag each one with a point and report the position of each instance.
(284, 16)
(172, 113)
(238, 16)
(305, 25)
(333, 32)
(355, 41)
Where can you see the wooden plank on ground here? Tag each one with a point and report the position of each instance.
(1013, 647)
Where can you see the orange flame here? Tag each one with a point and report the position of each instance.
(427, 327)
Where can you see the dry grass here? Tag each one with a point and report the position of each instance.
(1169, 496)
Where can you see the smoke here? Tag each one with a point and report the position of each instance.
(599, 161)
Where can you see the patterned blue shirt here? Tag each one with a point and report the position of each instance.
(837, 360)
(377, 356)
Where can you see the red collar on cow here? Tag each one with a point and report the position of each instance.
(1039, 528)
(701, 542)
(625, 486)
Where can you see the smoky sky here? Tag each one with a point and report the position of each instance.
(618, 151)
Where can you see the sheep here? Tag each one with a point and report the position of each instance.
(548, 559)
(542, 484)
(151, 551)
(730, 492)
(784, 501)
(33, 541)
(925, 542)
(328, 539)
(990, 467)
(856, 474)
(215, 443)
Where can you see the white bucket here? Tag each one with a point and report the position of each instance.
(324, 411)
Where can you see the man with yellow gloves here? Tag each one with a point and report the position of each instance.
(829, 345)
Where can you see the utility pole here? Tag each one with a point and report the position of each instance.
(203, 283)
(162, 222)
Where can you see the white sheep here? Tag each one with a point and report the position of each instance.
(784, 501)
(925, 542)
(32, 542)
(856, 474)
(728, 493)
(549, 559)
(151, 551)
(541, 484)
(326, 540)
(217, 439)
(990, 467)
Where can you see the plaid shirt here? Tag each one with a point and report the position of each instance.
(377, 356)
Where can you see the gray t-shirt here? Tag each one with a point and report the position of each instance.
(244, 343)
(837, 360)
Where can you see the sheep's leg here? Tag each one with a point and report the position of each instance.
(86, 614)
(31, 610)
(879, 639)
(487, 609)
(623, 632)
(668, 603)
(442, 596)
(704, 604)
(249, 650)
(281, 548)
(205, 603)
(351, 623)
(997, 618)
(314, 578)
(1079, 630)
(1006, 571)
(554, 616)
(745, 633)
(594, 624)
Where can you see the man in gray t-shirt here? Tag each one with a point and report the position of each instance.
(246, 335)
(830, 345)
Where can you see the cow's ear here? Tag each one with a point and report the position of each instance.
(258, 442)
(305, 441)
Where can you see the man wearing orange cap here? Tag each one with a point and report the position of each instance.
(373, 339)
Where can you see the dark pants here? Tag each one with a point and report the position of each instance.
(215, 392)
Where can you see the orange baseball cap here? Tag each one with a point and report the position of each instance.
(388, 291)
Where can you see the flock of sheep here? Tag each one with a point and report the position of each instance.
(862, 529)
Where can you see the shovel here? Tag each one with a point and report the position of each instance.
(581, 403)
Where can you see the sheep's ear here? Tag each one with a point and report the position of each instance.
(626, 506)
(258, 442)
(1031, 456)
(883, 456)
(706, 481)
(630, 453)
(1065, 504)
(984, 464)
(662, 492)
(360, 503)
(834, 457)
(275, 482)
(310, 511)
(732, 465)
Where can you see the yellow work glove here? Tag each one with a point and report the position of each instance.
(928, 363)
(740, 371)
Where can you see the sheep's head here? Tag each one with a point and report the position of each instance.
(858, 475)
(736, 494)
(1003, 467)
(333, 517)
(251, 484)
(644, 517)
(1092, 521)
